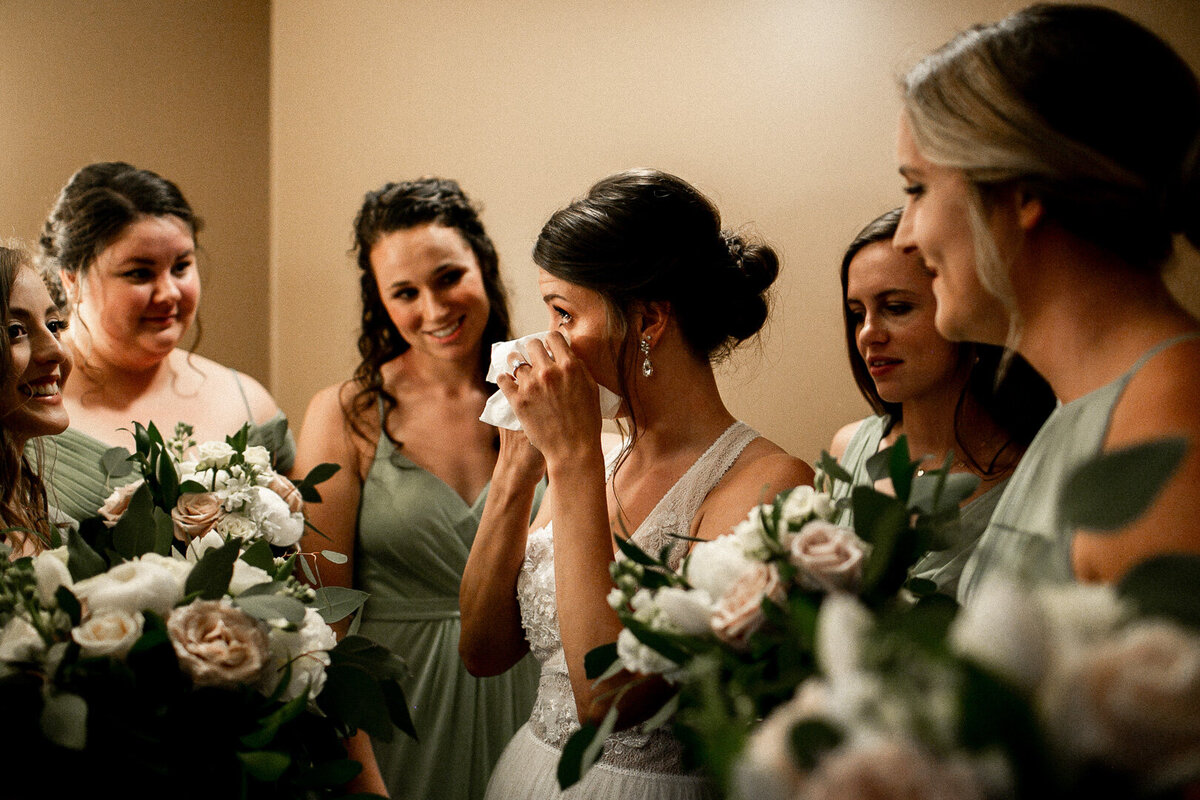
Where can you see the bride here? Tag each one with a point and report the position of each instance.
(650, 292)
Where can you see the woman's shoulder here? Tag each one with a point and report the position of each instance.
(763, 470)
(843, 437)
(220, 381)
(1162, 396)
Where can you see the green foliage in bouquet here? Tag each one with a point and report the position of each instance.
(729, 662)
(150, 660)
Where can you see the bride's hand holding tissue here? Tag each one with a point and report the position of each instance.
(645, 293)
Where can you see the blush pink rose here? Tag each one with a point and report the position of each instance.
(196, 514)
(891, 770)
(828, 558)
(738, 614)
(288, 491)
(217, 644)
(118, 502)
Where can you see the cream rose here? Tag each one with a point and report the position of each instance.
(245, 576)
(715, 565)
(213, 455)
(110, 633)
(686, 611)
(217, 644)
(132, 586)
(306, 650)
(738, 613)
(891, 770)
(258, 457)
(20, 641)
(828, 558)
(1132, 701)
(50, 569)
(118, 502)
(195, 514)
(288, 491)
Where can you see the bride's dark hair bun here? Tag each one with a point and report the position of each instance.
(649, 236)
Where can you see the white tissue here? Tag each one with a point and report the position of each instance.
(498, 412)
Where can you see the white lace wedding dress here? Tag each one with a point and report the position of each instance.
(635, 765)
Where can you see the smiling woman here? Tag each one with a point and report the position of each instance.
(416, 463)
(123, 242)
(34, 365)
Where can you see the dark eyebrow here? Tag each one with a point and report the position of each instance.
(908, 171)
(546, 298)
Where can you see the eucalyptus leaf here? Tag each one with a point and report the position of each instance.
(830, 466)
(259, 555)
(164, 532)
(338, 602)
(265, 765)
(663, 715)
(570, 763)
(398, 708)
(271, 606)
(1113, 489)
(64, 720)
(116, 462)
(353, 695)
(335, 557)
(597, 660)
(812, 738)
(211, 575)
(69, 604)
(82, 561)
(375, 658)
(634, 553)
(135, 532)
(1165, 586)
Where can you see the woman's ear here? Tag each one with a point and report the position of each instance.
(1030, 209)
(651, 319)
(70, 285)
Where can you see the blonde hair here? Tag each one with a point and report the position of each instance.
(1078, 106)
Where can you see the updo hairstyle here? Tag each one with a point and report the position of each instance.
(646, 236)
(1078, 105)
(400, 206)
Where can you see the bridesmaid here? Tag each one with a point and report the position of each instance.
(34, 366)
(123, 242)
(416, 465)
(1048, 160)
(942, 396)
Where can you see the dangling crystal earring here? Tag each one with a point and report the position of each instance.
(647, 367)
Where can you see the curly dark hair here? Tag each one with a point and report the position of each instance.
(1008, 390)
(396, 207)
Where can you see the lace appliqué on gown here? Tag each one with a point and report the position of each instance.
(554, 717)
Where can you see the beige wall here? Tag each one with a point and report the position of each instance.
(783, 112)
(176, 87)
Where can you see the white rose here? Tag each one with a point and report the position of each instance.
(685, 611)
(118, 502)
(131, 586)
(738, 613)
(1079, 615)
(751, 535)
(275, 521)
(109, 633)
(202, 544)
(1132, 701)
(213, 455)
(637, 657)
(257, 457)
(20, 641)
(1004, 629)
(245, 576)
(50, 569)
(237, 526)
(714, 566)
(179, 567)
(805, 503)
(307, 652)
(828, 557)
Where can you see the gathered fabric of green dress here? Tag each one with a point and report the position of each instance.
(1026, 537)
(943, 567)
(413, 536)
(78, 485)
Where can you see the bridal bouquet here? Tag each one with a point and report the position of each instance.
(173, 637)
(733, 629)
